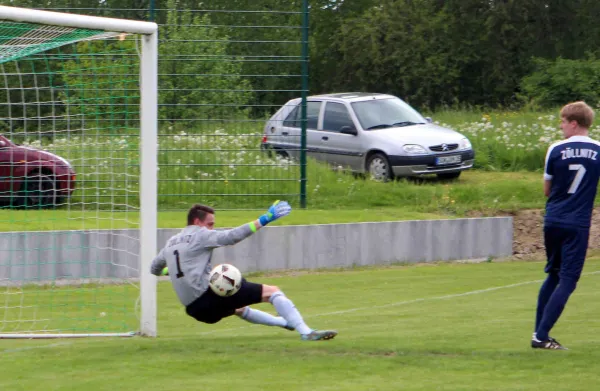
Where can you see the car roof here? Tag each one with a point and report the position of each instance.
(352, 96)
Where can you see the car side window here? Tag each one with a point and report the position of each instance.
(336, 117)
(312, 116)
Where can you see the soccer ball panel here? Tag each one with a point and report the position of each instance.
(225, 280)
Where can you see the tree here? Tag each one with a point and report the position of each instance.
(399, 47)
(199, 78)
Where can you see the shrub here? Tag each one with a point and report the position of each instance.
(560, 81)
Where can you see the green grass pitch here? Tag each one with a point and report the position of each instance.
(445, 326)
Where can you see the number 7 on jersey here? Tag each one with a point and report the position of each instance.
(578, 177)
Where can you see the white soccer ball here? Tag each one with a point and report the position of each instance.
(225, 279)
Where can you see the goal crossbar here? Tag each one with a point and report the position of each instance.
(77, 21)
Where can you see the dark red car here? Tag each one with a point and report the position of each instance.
(33, 178)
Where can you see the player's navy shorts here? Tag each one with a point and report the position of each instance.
(566, 248)
(211, 308)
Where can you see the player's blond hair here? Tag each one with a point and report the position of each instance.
(580, 112)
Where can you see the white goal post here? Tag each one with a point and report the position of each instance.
(148, 146)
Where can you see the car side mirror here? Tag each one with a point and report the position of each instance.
(429, 119)
(348, 130)
(2, 144)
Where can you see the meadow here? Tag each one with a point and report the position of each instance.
(226, 169)
(508, 140)
(349, 200)
(223, 166)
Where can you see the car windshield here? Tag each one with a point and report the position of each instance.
(386, 113)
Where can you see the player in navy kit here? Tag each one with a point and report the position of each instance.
(571, 177)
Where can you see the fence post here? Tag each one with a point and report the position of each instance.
(152, 10)
(304, 94)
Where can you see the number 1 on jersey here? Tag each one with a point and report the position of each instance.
(578, 177)
(179, 272)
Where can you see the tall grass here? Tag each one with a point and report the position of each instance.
(222, 165)
(508, 140)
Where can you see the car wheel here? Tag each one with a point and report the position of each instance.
(449, 175)
(282, 153)
(268, 150)
(39, 191)
(379, 168)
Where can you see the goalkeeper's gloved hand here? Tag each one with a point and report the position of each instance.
(277, 210)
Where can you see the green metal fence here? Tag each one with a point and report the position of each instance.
(222, 73)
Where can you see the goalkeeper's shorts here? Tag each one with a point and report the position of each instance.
(211, 308)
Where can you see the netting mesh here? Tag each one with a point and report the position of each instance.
(18, 40)
(224, 69)
(69, 166)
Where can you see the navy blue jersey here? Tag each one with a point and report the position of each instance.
(573, 166)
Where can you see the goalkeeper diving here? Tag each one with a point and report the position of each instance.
(187, 257)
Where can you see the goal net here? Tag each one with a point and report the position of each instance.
(78, 148)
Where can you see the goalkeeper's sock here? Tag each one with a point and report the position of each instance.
(288, 311)
(260, 317)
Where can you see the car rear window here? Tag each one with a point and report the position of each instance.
(312, 116)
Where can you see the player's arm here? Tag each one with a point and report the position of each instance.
(158, 263)
(547, 187)
(548, 172)
(220, 238)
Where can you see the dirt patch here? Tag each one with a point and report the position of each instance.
(528, 237)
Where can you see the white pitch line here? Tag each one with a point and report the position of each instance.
(452, 296)
(476, 292)
(398, 303)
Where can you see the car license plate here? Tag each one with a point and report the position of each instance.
(443, 160)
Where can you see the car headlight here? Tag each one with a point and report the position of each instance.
(414, 149)
(465, 144)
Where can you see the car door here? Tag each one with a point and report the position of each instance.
(6, 168)
(338, 145)
(291, 130)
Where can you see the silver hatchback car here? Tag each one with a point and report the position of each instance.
(370, 133)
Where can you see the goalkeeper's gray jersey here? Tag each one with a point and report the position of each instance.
(187, 255)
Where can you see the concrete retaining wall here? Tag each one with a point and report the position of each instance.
(35, 256)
